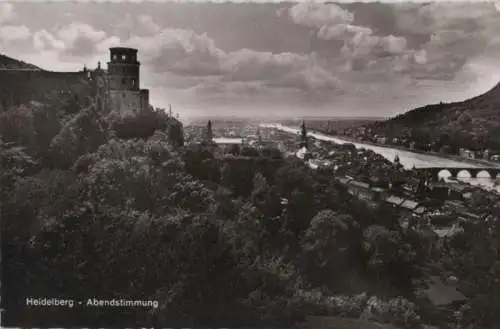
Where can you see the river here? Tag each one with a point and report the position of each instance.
(407, 159)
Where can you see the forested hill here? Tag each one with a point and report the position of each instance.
(8, 63)
(473, 123)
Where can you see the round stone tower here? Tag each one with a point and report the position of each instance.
(123, 69)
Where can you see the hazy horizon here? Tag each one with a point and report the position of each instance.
(276, 59)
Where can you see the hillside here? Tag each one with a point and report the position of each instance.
(8, 63)
(473, 123)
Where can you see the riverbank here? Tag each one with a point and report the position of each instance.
(347, 139)
(408, 158)
(479, 162)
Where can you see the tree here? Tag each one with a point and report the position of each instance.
(17, 126)
(145, 124)
(260, 186)
(84, 133)
(327, 245)
(389, 255)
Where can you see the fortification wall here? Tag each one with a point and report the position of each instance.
(124, 103)
(144, 100)
(20, 87)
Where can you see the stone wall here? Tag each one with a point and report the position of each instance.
(23, 86)
(124, 103)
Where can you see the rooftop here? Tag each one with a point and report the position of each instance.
(345, 180)
(409, 204)
(441, 294)
(225, 140)
(359, 184)
(448, 231)
(124, 49)
(419, 210)
(394, 200)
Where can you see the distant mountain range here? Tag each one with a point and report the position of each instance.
(473, 123)
(8, 63)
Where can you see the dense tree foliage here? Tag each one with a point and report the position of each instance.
(124, 210)
(473, 255)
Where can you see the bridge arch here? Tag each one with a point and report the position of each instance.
(484, 174)
(464, 173)
(444, 173)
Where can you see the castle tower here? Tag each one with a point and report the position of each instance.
(123, 69)
(124, 93)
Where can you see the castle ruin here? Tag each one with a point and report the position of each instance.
(118, 89)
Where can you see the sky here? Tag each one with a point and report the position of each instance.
(272, 59)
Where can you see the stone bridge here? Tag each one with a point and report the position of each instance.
(486, 172)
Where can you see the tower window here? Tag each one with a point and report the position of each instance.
(124, 57)
(115, 57)
(133, 82)
(123, 80)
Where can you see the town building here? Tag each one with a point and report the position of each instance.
(379, 193)
(448, 231)
(361, 190)
(406, 206)
(225, 141)
(486, 154)
(467, 154)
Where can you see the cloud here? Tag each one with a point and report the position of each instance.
(74, 43)
(14, 33)
(458, 33)
(361, 49)
(319, 15)
(44, 40)
(342, 31)
(7, 13)
(315, 55)
(139, 25)
(185, 53)
(80, 39)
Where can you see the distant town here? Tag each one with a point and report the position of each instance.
(424, 201)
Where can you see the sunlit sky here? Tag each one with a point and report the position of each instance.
(300, 59)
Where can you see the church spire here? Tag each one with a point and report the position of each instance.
(209, 130)
(303, 135)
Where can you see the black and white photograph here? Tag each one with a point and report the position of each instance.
(250, 164)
